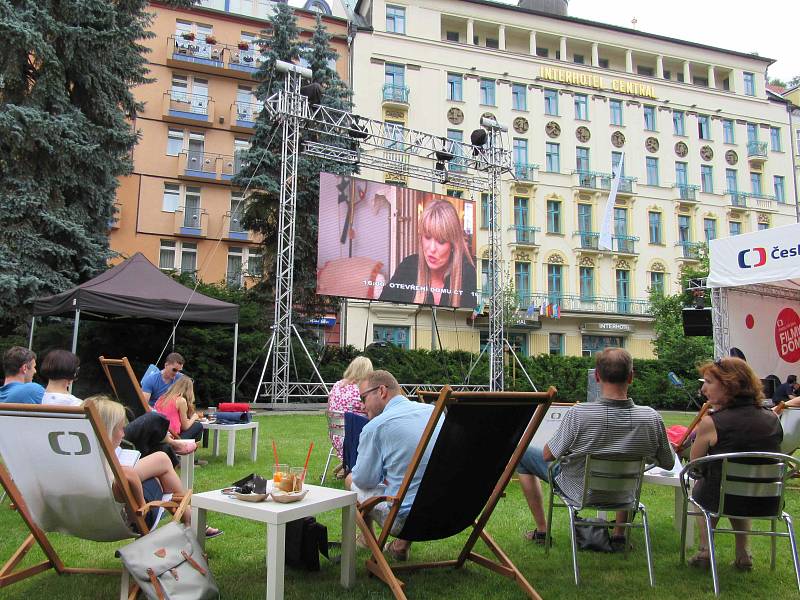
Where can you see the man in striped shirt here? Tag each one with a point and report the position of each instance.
(612, 425)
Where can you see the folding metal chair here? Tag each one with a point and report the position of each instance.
(335, 427)
(758, 476)
(610, 482)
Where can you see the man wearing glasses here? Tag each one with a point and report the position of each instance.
(19, 367)
(155, 383)
(385, 449)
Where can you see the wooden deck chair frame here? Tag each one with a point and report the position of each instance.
(8, 574)
(123, 363)
(377, 564)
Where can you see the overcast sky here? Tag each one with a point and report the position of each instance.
(768, 27)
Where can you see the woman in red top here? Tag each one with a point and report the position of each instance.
(178, 406)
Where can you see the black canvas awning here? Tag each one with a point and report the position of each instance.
(137, 289)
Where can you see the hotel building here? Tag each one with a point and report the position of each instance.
(178, 207)
(707, 153)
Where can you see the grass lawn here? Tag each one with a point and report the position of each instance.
(237, 557)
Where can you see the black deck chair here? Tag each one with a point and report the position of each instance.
(482, 438)
(125, 385)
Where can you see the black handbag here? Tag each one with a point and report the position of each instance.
(305, 541)
(593, 537)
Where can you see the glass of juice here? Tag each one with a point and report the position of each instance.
(299, 476)
(279, 472)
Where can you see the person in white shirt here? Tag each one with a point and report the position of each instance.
(60, 368)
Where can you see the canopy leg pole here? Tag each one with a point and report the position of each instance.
(75, 336)
(30, 337)
(235, 354)
(174, 327)
(75, 330)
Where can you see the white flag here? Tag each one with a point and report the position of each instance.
(608, 216)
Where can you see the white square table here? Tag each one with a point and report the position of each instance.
(232, 429)
(671, 478)
(275, 515)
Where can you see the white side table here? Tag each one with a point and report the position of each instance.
(232, 429)
(671, 479)
(275, 515)
(187, 470)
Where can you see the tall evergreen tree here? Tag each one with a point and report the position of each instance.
(262, 162)
(66, 72)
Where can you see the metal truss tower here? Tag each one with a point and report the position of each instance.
(355, 140)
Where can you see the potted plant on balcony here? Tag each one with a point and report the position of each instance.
(188, 36)
(243, 45)
(211, 40)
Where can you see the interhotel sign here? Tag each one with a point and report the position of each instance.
(608, 328)
(588, 80)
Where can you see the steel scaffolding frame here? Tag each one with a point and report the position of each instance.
(365, 142)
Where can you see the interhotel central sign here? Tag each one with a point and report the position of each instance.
(621, 86)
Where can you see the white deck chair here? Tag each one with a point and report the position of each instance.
(790, 421)
(59, 468)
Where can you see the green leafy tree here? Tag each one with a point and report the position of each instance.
(262, 162)
(66, 72)
(676, 351)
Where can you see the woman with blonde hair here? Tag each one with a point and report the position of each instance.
(153, 466)
(177, 404)
(344, 396)
(738, 423)
(442, 272)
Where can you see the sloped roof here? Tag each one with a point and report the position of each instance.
(137, 289)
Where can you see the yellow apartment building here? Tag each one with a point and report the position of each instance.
(708, 153)
(178, 207)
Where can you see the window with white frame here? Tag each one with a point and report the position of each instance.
(166, 255)
(189, 258)
(171, 198)
(174, 141)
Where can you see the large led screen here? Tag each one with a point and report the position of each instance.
(384, 242)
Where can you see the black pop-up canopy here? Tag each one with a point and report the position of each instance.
(137, 289)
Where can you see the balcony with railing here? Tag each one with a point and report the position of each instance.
(685, 193)
(182, 107)
(243, 115)
(197, 165)
(738, 199)
(236, 230)
(589, 304)
(689, 250)
(595, 181)
(522, 235)
(202, 55)
(757, 152)
(526, 172)
(191, 221)
(245, 59)
(231, 165)
(395, 94)
(752, 200)
(620, 244)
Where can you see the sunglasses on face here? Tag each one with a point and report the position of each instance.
(367, 393)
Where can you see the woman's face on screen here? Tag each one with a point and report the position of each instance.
(436, 252)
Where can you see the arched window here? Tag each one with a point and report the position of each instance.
(320, 6)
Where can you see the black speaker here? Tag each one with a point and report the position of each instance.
(697, 321)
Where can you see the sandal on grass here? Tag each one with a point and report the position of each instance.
(399, 554)
(700, 560)
(744, 563)
(212, 532)
(537, 537)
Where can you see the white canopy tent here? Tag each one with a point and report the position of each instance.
(755, 295)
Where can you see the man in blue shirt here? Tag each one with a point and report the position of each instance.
(19, 367)
(385, 449)
(155, 383)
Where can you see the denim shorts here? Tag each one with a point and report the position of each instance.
(533, 463)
